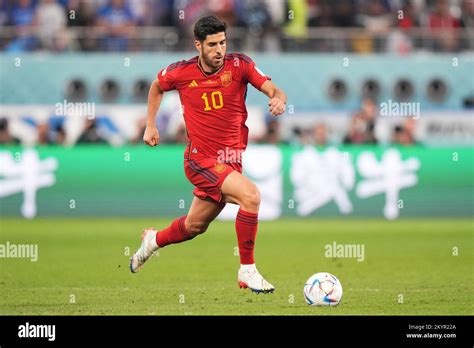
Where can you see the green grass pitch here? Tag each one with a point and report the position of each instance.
(82, 268)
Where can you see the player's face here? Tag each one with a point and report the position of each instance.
(212, 50)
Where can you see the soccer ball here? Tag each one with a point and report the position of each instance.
(322, 289)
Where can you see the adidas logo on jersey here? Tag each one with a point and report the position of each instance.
(193, 84)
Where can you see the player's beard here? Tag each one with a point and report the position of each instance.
(209, 62)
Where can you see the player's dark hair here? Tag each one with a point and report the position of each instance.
(208, 25)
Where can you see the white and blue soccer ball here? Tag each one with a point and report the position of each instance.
(322, 289)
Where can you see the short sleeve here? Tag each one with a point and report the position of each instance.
(254, 75)
(166, 79)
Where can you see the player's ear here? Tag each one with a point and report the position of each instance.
(198, 45)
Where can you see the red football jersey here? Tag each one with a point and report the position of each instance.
(214, 104)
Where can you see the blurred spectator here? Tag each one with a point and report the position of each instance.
(296, 26)
(158, 13)
(362, 127)
(410, 128)
(357, 131)
(5, 136)
(58, 135)
(320, 134)
(83, 14)
(399, 41)
(62, 42)
(3, 13)
(90, 134)
(467, 13)
(376, 19)
(443, 27)
(117, 23)
(330, 13)
(141, 126)
(343, 13)
(272, 16)
(319, 14)
(22, 14)
(23, 18)
(186, 13)
(404, 134)
(3, 22)
(224, 9)
(258, 22)
(262, 25)
(43, 134)
(51, 20)
(408, 19)
(138, 10)
(467, 21)
(273, 133)
(50, 133)
(369, 115)
(301, 136)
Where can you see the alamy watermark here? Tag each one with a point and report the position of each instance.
(404, 109)
(20, 251)
(335, 250)
(37, 331)
(75, 109)
(229, 155)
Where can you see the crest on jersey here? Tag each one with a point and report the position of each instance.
(219, 168)
(226, 78)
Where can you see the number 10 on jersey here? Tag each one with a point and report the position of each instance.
(216, 100)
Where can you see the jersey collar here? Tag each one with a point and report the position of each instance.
(206, 74)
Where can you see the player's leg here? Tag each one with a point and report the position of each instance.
(200, 215)
(240, 190)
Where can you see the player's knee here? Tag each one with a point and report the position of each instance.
(196, 228)
(251, 198)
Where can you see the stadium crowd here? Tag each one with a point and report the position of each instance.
(267, 25)
(61, 26)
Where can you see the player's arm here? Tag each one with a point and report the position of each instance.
(277, 98)
(155, 95)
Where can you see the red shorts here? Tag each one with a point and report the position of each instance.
(207, 175)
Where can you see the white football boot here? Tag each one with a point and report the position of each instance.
(146, 250)
(249, 277)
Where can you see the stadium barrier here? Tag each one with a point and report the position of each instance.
(357, 181)
(313, 82)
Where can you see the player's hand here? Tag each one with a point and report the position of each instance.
(151, 136)
(276, 105)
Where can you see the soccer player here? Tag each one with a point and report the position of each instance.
(213, 88)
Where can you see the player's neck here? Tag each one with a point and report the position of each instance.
(206, 68)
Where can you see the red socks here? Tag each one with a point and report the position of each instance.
(246, 226)
(175, 233)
